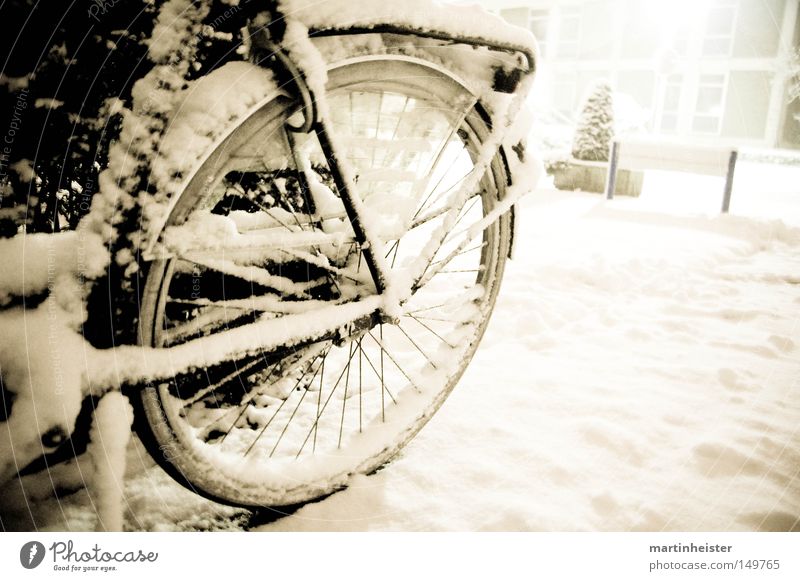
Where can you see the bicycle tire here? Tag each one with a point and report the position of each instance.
(173, 440)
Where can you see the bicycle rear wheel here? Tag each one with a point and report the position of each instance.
(293, 424)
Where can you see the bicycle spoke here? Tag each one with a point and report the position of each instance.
(319, 401)
(433, 214)
(442, 339)
(321, 261)
(377, 374)
(383, 382)
(243, 407)
(443, 193)
(463, 213)
(344, 399)
(473, 249)
(396, 250)
(396, 127)
(265, 303)
(414, 343)
(425, 219)
(427, 275)
(254, 392)
(268, 212)
(377, 125)
(455, 126)
(182, 242)
(257, 275)
(297, 407)
(460, 271)
(422, 310)
(360, 378)
(321, 411)
(393, 360)
(459, 218)
(280, 407)
(438, 319)
(212, 388)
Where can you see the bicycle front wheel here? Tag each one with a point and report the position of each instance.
(292, 424)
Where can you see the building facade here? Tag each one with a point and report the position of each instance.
(711, 70)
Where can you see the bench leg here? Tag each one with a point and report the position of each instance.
(726, 197)
(611, 178)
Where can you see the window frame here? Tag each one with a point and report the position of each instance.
(540, 15)
(722, 101)
(674, 80)
(568, 79)
(574, 12)
(730, 35)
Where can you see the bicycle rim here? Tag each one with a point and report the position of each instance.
(290, 425)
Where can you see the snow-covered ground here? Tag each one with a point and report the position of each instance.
(641, 372)
(760, 190)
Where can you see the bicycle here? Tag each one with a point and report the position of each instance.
(321, 275)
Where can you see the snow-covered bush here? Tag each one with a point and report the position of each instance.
(794, 75)
(595, 127)
(629, 116)
(794, 78)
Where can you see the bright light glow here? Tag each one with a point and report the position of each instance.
(679, 14)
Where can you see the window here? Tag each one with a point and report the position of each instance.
(515, 16)
(681, 37)
(668, 122)
(718, 40)
(569, 32)
(537, 22)
(565, 90)
(708, 107)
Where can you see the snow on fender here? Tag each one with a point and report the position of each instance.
(201, 116)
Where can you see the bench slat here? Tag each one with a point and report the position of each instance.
(673, 157)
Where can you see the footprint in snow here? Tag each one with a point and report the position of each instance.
(731, 380)
(783, 344)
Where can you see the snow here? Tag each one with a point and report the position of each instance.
(24, 170)
(109, 437)
(132, 364)
(759, 190)
(171, 49)
(42, 355)
(192, 113)
(14, 83)
(34, 262)
(470, 21)
(174, 16)
(638, 374)
(202, 113)
(47, 103)
(42, 360)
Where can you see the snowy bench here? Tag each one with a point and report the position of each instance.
(641, 155)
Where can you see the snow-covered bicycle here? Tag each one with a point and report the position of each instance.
(326, 242)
